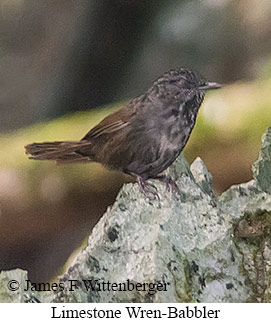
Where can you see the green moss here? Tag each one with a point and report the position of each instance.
(187, 281)
(252, 231)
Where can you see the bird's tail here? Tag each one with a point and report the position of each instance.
(60, 151)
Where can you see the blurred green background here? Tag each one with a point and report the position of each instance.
(65, 65)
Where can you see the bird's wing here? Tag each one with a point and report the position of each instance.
(102, 129)
(112, 123)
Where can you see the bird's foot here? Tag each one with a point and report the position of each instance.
(147, 188)
(171, 185)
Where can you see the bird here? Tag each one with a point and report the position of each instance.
(145, 136)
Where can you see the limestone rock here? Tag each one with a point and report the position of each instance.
(12, 284)
(262, 167)
(195, 247)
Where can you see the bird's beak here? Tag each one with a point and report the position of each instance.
(209, 86)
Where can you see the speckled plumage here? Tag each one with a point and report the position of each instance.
(146, 135)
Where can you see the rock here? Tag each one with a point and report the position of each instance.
(262, 167)
(187, 247)
(15, 287)
(202, 177)
(12, 284)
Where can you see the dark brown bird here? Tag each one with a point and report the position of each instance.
(145, 136)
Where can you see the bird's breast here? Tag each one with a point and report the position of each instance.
(178, 123)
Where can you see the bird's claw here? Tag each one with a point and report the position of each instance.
(171, 185)
(147, 188)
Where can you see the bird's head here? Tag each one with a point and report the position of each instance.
(179, 82)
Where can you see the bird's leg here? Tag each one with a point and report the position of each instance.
(146, 188)
(171, 185)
